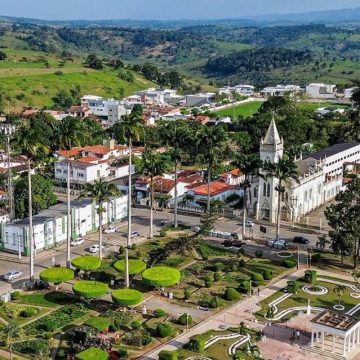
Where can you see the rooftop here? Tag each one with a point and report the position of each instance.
(216, 187)
(335, 320)
(332, 150)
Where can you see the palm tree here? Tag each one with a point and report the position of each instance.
(153, 165)
(33, 147)
(129, 129)
(249, 165)
(8, 333)
(321, 244)
(99, 192)
(210, 143)
(339, 291)
(70, 133)
(284, 171)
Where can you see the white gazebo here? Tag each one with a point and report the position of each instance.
(335, 333)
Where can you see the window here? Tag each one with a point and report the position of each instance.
(305, 196)
(14, 240)
(264, 189)
(255, 192)
(268, 190)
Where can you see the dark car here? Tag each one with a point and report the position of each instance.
(300, 240)
(233, 243)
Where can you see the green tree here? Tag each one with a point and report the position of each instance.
(62, 100)
(284, 171)
(70, 133)
(93, 62)
(3, 56)
(128, 130)
(8, 333)
(339, 291)
(100, 192)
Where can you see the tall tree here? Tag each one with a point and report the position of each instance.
(343, 217)
(8, 333)
(249, 165)
(100, 192)
(285, 170)
(33, 147)
(70, 133)
(128, 130)
(211, 142)
(153, 165)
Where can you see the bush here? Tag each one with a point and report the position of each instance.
(245, 287)
(234, 267)
(28, 312)
(2, 302)
(98, 323)
(15, 295)
(135, 266)
(267, 274)
(219, 266)
(122, 353)
(48, 335)
(135, 325)
(242, 263)
(56, 275)
(310, 276)
(127, 297)
(216, 302)
(163, 330)
(243, 329)
(289, 263)
(89, 289)
(146, 339)
(196, 344)
(259, 254)
(133, 246)
(185, 319)
(316, 257)
(92, 354)
(208, 281)
(61, 354)
(161, 276)
(168, 355)
(32, 347)
(217, 276)
(292, 287)
(159, 313)
(86, 262)
(231, 294)
(187, 294)
(258, 279)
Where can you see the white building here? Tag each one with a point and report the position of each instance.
(100, 106)
(320, 179)
(243, 90)
(115, 112)
(348, 93)
(153, 96)
(50, 226)
(199, 99)
(321, 91)
(281, 90)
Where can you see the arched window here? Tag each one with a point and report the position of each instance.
(305, 196)
(268, 190)
(264, 189)
(255, 193)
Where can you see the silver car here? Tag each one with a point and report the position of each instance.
(77, 241)
(12, 275)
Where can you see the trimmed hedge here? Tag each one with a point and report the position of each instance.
(159, 313)
(92, 354)
(89, 289)
(86, 262)
(231, 294)
(196, 344)
(99, 323)
(136, 266)
(187, 294)
(259, 254)
(289, 263)
(164, 330)
(310, 276)
(135, 325)
(168, 355)
(161, 276)
(127, 297)
(216, 302)
(267, 274)
(185, 319)
(217, 276)
(56, 275)
(245, 287)
(292, 287)
(258, 279)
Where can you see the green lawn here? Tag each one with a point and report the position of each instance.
(244, 110)
(316, 105)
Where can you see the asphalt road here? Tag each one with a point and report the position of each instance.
(113, 241)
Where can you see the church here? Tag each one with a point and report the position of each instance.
(320, 179)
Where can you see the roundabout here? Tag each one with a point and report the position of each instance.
(355, 295)
(284, 254)
(339, 307)
(318, 290)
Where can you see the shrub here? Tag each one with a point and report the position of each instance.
(89, 289)
(216, 302)
(185, 319)
(135, 266)
(56, 275)
(168, 355)
(267, 274)
(258, 279)
(133, 246)
(135, 325)
(310, 276)
(208, 281)
(122, 353)
(234, 267)
(243, 329)
(28, 312)
(187, 294)
(219, 266)
(2, 302)
(245, 287)
(121, 250)
(48, 335)
(231, 294)
(159, 313)
(98, 323)
(86, 262)
(163, 330)
(289, 263)
(315, 257)
(259, 254)
(196, 344)
(146, 339)
(292, 287)
(92, 354)
(15, 295)
(61, 354)
(161, 276)
(127, 297)
(242, 263)
(217, 276)
(32, 347)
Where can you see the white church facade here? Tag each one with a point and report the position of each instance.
(320, 179)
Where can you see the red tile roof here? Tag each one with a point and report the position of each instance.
(88, 159)
(69, 153)
(78, 109)
(97, 149)
(164, 185)
(234, 173)
(216, 187)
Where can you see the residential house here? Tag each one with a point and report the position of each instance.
(321, 91)
(79, 111)
(281, 90)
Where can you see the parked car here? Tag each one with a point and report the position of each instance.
(77, 242)
(233, 243)
(134, 234)
(95, 248)
(249, 223)
(12, 275)
(111, 229)
(277, 244)
(300, 240)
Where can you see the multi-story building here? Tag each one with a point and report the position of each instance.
(243, 90)
(281, 90)
(321, 91)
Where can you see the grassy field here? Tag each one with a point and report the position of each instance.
(244, 110)
(316, 105)
(29, 78)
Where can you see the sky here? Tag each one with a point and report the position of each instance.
(162, 9)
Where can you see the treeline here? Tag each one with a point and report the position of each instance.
(256, 60)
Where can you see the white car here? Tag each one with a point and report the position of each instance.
(277, 244)
(134, 234)
(95, 248)
(12, 275)
(77, 241)
(111, 229)
(249, 223)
